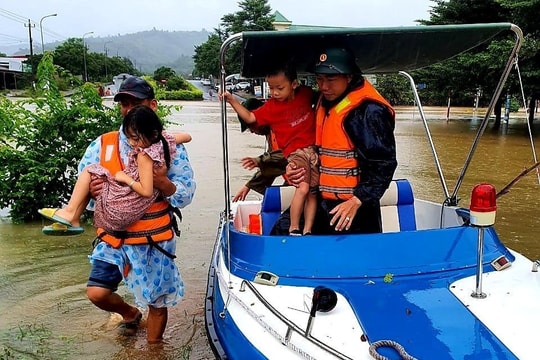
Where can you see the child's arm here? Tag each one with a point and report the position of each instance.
(145, 186)
(240, 109)
(250, 163)
(181, 137)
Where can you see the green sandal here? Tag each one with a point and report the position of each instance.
(57, 229)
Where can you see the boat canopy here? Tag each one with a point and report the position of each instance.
(377, 50)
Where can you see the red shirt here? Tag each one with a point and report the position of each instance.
(293, 122)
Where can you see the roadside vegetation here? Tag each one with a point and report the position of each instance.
(43, 138)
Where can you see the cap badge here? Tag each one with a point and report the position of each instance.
(323, 57)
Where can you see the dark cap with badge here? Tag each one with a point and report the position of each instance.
(336, 61)
(136, 87)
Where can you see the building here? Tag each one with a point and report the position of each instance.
(10, 68)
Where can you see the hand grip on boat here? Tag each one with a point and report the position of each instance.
(324, 300)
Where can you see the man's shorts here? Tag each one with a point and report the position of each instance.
(308, 159)
(104, 275)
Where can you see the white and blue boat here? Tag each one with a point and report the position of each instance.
(438, 283)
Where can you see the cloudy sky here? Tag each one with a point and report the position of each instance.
(112, 17)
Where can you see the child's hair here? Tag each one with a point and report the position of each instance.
(288, 68)
(145, 123)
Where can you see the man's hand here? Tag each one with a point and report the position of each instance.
(294, 175)
(162, 182)
(96, 185)
(344, 213)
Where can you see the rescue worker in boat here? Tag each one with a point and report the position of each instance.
(355, 137)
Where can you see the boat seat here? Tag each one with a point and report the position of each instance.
(276, 200)
(397, 207)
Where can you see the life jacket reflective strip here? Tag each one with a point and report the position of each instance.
(272, 141)
(156, 224)
(339, 166)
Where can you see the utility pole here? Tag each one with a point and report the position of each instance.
(106, 58)
(84, 55)
(30, 26)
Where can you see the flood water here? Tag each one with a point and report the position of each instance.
(44, 313)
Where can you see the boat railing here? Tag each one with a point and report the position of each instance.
(291, 327)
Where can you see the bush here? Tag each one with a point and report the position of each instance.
(183, 95)
(42, 141)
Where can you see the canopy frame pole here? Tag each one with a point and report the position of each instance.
(225, 140)
(225, 143)
(428, 133)
(453, 200)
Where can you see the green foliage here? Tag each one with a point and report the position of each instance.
(69, 56)
(460, 77)
(396, 89)
(207, 56)
(183, 95)
(163, 73)
(42, 141)
(253, 16)
(173, 87)
(466, 12)
(177, 83)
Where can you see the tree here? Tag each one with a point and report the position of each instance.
(69, 56)
(253, 16)
(525, 14)
(395, 88)
(465, 12)
(40, 148)
(481, 68)
(163, 73)
(206, 56)
(43, 139)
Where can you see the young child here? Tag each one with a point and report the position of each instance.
(270, 164)
(289, 114)
(127, 194)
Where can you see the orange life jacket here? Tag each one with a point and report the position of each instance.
(155, 225)
(339, 167)
(272, 142)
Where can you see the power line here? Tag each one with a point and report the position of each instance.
(11, 37)
(12, 16)
(23, 20)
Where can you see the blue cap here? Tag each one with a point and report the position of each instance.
(136, 87)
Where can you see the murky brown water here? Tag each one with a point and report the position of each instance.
(44, 313)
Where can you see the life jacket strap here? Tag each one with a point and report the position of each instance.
(159, 248)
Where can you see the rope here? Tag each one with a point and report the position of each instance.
(527, 117)
(388, 343)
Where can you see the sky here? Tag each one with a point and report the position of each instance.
(101, 18)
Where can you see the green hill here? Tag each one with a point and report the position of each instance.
(147, 50)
